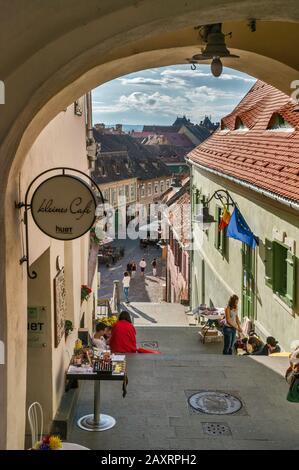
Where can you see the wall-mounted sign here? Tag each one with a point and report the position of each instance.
(60, 306)
(37, 322)
(63, 207)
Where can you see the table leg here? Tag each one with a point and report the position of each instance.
(96, 421)
(204, 330)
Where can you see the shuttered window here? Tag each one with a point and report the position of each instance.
(281, 271)
(268, 263)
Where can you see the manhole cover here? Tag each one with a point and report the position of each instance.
(216, 429)
(215, 403)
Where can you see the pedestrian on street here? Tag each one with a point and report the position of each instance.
(142, 266)
(232, 324)
(154, 266)
(134, 269)
(126, 286)
(129, 268)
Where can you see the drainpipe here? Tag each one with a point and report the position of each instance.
(91, 146)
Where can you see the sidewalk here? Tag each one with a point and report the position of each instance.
(155, 413)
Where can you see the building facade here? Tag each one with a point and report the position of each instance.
(54, 296)
(255, 157)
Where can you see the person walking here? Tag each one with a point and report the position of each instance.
(134, 269)
(129, 268)
(154, 266)
(142, 266)
(231, 325)
(126, 286)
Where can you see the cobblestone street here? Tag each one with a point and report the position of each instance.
(142, 289)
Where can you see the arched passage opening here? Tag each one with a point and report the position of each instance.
(58, 64)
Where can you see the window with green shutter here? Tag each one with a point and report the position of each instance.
(268, 262)
(284, 272)
(291, 278)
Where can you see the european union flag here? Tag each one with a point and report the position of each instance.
(238, 229)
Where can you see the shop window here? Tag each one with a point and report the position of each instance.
(280, 270)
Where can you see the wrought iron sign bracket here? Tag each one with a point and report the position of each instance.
(26, 205)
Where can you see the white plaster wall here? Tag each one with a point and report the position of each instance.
(223, 278)
(62, 143)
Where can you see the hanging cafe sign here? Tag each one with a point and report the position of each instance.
(62, 206)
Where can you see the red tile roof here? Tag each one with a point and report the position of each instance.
(268, 159)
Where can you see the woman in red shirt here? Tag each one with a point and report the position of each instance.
(123, 335)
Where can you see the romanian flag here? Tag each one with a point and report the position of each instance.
(224, 219)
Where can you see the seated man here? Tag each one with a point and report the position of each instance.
(255, 346)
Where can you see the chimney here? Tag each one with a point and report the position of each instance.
(119, 128)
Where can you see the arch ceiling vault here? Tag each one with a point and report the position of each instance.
(54, 51)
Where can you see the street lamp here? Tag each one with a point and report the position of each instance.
(215, 48)
(204, 218)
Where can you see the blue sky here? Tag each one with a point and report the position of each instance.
(157, 96)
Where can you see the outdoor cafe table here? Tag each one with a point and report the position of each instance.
(96, 421)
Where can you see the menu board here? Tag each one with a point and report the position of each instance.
(60, 306)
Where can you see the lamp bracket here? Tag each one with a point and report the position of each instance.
(223, 196)
(26, 205)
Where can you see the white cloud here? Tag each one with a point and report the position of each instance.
(185, 73)
(229, 76)
(154, 103)
(199, 73)
(164, 82)
(206, 94)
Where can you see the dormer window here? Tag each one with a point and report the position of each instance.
(279, 123)
(224, 126)
(239, 125)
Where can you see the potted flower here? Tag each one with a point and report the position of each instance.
(85, 292)
(109, 321)
(68, 327)
(48, 443)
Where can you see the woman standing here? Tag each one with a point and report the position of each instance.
(232, 324)
(126, 285)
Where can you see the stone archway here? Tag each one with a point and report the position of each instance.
(59, 53)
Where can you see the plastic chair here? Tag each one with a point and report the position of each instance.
(36, 421)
